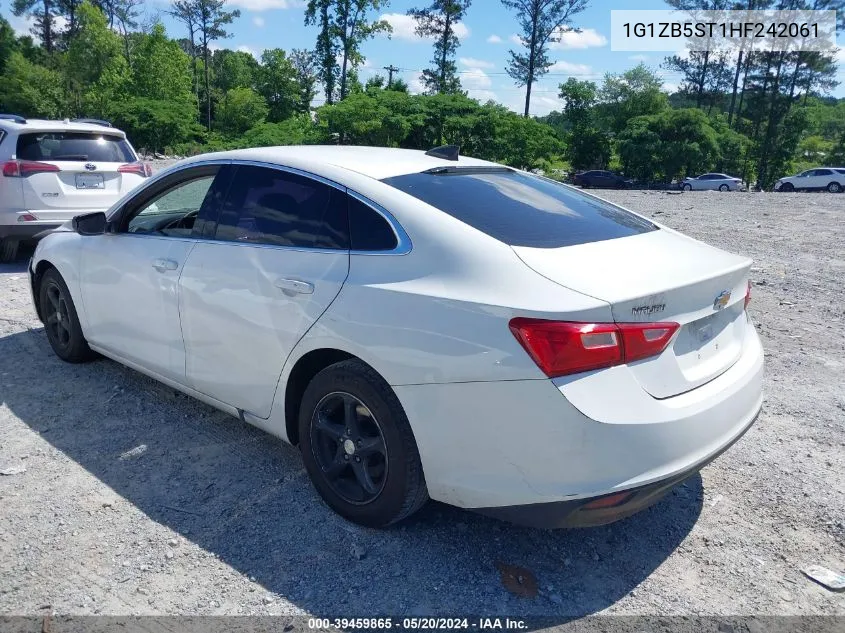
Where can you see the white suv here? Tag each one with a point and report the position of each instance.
(55, 170)
(831, 179)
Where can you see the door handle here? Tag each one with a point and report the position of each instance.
(162, 265)
(295, 285)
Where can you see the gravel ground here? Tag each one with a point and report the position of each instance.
(137, 500)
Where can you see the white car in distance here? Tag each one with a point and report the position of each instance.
(830, 179)
(713, 182)
(54, 170)
(421, 325)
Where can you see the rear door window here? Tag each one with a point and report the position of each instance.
(368, 229)
(520, 209)
(271, 206)
(74, 146)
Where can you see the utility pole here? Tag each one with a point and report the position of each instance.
(390, 70)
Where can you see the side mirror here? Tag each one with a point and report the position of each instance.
(90, 223)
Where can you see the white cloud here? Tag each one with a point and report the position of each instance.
(23, 25)
(243, 48)
(416, 85)
(476, 63)
(587, 38)
(516, 39)
(494, 39)
(475, 79)
(570, 68)
(404, 27)
(638, 58)
(258, 21)
(264, 5)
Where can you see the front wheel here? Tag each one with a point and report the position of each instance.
(687, 187)
(787, 187)
(358, 446)
(834, 187)
(61, 321)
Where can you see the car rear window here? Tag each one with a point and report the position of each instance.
(519, 209)
(74, 146)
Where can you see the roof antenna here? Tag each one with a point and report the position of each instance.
(446, 152)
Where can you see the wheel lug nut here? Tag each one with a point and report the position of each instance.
(357, 459)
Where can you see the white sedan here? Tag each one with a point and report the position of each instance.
(421, 325)
(713, 182)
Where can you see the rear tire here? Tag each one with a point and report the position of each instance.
(61, 321)
(8, 250)
(834, 187)
(358, 446)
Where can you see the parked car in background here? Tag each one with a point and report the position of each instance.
(600, 179)
(830, 179)
(421, 325)
(713, 182)
(54, 170)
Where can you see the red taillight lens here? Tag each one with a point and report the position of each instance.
(21, 168)
(139, 169)
(560, 348)
(748, 295)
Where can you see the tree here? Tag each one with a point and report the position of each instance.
(209, 19)
(326, 49)
(352, 27)
(636, 92)
(305, 63)
(542, 22)
(234, 69)
(183, 11)
(278, 85)
(125, 16)
(96, 70)
(162, 69)
(586, 145)
(43, 13)
(8, 42)
(155, 124)
(31, 90)
(438, 21)
(241, 109)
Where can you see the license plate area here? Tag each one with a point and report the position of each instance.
(707, 345)
(89, 181)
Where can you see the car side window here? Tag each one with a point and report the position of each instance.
(174, 211)
(823, 172)
(368, 229)
(278, 208)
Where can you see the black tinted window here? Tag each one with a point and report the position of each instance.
(521, 210)
(368, 230)
(74, 146)
(269, 206)
(823, 172)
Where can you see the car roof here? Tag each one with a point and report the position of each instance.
(44, 125)
(375, 162)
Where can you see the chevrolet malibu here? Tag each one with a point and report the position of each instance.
(421, 325)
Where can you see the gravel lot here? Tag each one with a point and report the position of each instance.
(137, 500)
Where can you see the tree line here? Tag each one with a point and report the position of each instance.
(756, 114)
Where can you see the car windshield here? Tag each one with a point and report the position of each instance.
(74, 146)
(520, 209)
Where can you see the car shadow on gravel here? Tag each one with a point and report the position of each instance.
(244, 496)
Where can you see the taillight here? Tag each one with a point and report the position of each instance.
(139, 169)
(22, 168)
(560, 348)
(748, 295)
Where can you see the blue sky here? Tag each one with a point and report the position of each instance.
(487, 32)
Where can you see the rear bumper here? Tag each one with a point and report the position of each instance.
(544, 449)
(577, 513)
(26, 230)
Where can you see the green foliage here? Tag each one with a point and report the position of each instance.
(279, 85)
(667, 145)
(240, 109)
(96, 70)
(31, 90)
(155, 124)
(161, 69)
(234, 69)
(8, 42)
(587, 146)
(636, 92)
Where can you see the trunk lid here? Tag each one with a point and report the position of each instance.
(661, 276)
